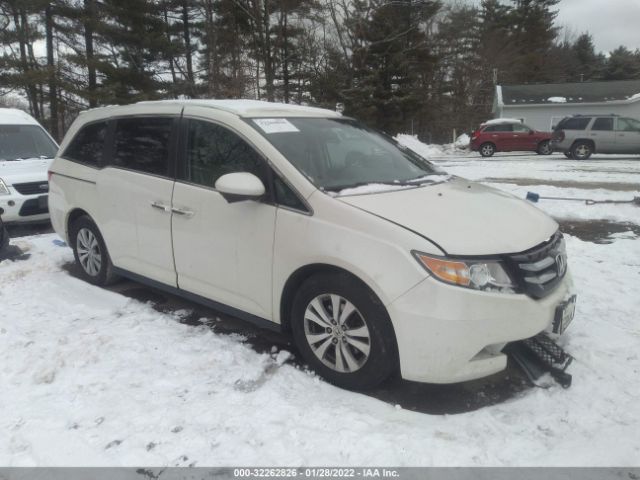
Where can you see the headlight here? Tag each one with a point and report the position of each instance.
(485, 275)
(4, 190)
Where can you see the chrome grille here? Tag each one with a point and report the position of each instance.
(540, 269)
(32, 188)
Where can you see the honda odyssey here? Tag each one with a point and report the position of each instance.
(302, 220)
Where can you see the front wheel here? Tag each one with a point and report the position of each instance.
(545, 148)
(581, 150)
(343, 331)
(90, 252)
(487, 149)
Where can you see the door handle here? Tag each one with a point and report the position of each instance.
(161, 206)
(185, 213)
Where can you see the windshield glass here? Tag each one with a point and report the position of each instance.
(337, 154)
(19, 142)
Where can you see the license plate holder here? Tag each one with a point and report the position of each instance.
(564, 315)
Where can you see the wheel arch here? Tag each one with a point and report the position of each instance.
(590, 141)
(72, 216)
(303, 273)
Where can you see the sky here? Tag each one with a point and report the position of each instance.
(611, 23)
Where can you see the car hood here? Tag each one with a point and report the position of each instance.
(19, 171)
(462, 217)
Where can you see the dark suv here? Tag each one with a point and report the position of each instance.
(509, 136)
(579, 136)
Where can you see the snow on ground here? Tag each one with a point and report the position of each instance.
(90, 377)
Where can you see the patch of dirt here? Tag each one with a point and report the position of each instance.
(597, 231)
(614, 186)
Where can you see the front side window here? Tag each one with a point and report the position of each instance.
(142, 144)
(21, 142)
(337, 153)
(213, 151)
(88, 144)
(521, 128)
(628, 125)
(603, 124)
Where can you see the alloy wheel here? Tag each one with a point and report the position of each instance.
(89, 252)
(487, 150)
(337, 333)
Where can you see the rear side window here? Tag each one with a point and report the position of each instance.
(574, 123)
(213, 151)
(603, 124)
(628, 125)
(88, 144)
(142, 144)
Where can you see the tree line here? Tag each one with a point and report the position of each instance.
(420, 66)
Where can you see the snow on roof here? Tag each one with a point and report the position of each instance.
(255, 108)
(13, 116)
(576, 92)
(495, 121)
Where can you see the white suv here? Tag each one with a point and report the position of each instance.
(26, 151)
(302, 220)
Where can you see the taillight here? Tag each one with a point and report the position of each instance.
(49, 173)
(558, 136)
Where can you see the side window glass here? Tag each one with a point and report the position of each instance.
(575, 123)
(88, 144)
(603, 124)
(628, 125)
(213, 151)
(142, 144)
(504, 128)
(491, 128)
(285, 196)
(520, 128)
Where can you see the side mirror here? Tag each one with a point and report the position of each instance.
(531, 132)
(239, 186)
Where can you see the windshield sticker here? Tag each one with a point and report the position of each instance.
(275, 125)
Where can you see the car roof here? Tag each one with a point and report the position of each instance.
(242, 108)
(13, 116)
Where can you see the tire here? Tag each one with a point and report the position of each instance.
(581, 150)
(568, 155)
(357, 361)
(487, 149)
(544, 148)
(90, 252)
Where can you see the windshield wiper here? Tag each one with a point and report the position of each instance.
(337, 188)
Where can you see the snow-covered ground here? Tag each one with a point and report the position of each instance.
(91, 377)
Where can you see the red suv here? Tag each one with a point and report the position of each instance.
(509, 136)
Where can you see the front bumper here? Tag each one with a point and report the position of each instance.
(449, 334)
(23, 208)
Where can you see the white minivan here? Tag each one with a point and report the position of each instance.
(302, 220)
(26, 151)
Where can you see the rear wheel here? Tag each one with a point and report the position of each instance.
(544, 148)
(343, 331)
(90, 252)
(487, 149)
(581, 150)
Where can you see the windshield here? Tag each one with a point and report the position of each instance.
(337, 154)
(19, 142)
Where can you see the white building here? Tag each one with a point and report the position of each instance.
(542, 106)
